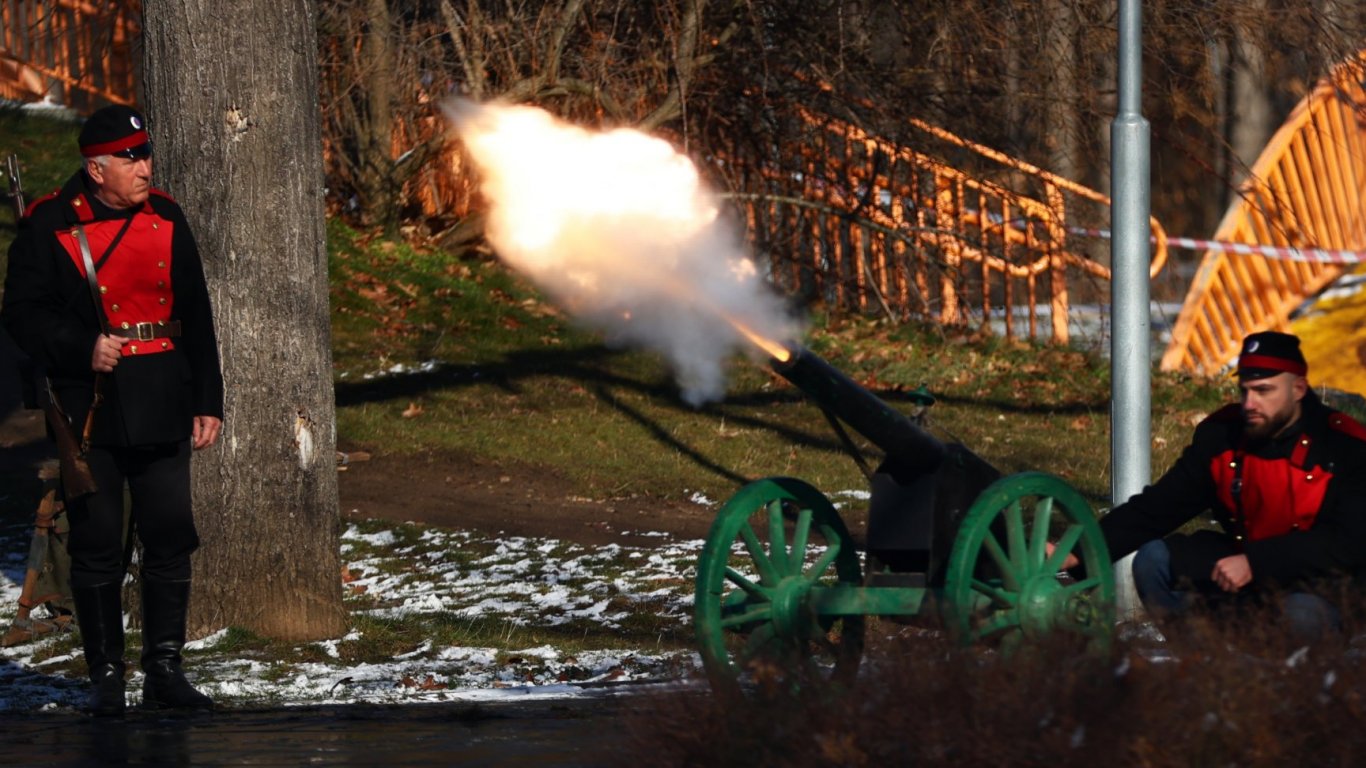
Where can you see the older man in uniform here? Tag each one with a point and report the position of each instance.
(105, 291)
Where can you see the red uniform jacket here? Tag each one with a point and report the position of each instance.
(152, 273)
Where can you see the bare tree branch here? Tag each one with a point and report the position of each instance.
(471, 61)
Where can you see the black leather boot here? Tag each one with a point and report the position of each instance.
(164, 606)
(99, 613)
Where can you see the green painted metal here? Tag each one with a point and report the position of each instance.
(776, 557)
(779, 586)
(870, 601)
(1002, 585)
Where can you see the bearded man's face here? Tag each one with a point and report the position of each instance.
(1271, 404)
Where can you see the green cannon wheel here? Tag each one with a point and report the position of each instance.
(1002, 585)
(774, 544)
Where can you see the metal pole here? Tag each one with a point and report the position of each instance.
(1130, 357)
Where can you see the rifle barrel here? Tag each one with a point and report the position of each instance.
(16, 186)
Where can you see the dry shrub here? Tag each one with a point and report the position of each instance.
(1228, 690)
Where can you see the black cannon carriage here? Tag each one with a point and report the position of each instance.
(780, 578)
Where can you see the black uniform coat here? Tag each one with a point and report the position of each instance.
(152, 273)
(1295, 504)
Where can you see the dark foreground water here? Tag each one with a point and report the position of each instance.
(570, 732)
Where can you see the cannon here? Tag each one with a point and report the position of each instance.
(781, 582)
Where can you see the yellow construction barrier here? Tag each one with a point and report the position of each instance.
(1306, 191)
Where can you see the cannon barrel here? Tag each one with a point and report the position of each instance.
(923, 487)
(905, 444)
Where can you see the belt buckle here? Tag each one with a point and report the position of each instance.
(145, 331)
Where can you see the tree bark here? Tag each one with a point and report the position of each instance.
(378, 185)
(231, 94)
(1061, 131)
(1250, 120)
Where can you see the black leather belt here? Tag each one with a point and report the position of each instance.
(147, 331)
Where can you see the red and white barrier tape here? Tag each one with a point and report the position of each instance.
(1328, 255)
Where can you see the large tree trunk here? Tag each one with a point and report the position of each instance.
(231, 90)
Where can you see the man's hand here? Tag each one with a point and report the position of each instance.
(205, 431)
(1071, 561)
(108, 350)
(1232, 573)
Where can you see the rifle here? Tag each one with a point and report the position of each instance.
(77, 479)
(16, 186)
(27, 374)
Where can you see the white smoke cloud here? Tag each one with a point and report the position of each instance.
(617, 227)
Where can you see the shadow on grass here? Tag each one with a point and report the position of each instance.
(592, 367)
(588, 365)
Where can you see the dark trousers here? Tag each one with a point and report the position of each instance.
(1309, 616)
(158, 483)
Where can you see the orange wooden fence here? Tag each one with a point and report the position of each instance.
(1306, 190)
(868, 224)
(80, 51)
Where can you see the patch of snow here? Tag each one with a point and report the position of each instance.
(505, 583)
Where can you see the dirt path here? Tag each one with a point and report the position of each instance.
(454, 491)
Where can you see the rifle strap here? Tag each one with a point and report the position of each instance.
(91, 269)
(92, 280)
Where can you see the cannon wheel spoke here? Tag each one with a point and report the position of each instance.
(1066, 543)
(1004, 566)
(801, 536)
(752, 614)
(1013, 592)
(770, 543)
(1002, 598)
(1015, 535)
(750, 588)
(763, 564)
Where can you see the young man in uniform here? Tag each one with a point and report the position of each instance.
(105, 291)
(1285, 479)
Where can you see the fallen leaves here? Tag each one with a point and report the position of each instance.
(349, 576)
(429, 683)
